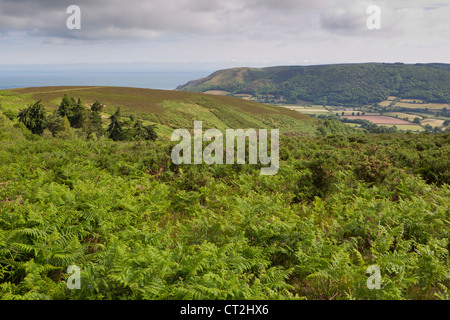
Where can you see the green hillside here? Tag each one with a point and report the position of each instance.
(341, 84)
(139, 227)
(167, 109)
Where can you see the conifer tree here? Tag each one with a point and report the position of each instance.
(79, 114)
(115, 130)
(93, 124)
(97, 106)
(141, 132)
(65, 106)
(54, 123)
(34, 118)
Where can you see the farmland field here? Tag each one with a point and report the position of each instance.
(432, 122)
(409, 104)
(431, 106)
(385, 103)
(402, 115)
(217, 92)
(380, 119)
(411, 127)
(308, 110)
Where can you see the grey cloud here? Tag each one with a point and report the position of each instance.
(346, 21)
(116, 19)
(132, 18)
(286, 5)
(232, 19)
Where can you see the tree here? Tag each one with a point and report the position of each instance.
(65, 106)
(416, 120)
(78, 114)
(34, 118)
(151, 132)
(97, 106)
(115, 130)
(93, 124)
(55, 123)
(65, 124)
(141, 132)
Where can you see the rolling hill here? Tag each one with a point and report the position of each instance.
(340, 84)
(168, 109)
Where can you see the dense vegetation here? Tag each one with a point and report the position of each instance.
(352, 85)
(73, 114)
(140, 227)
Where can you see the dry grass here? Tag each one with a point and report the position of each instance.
(380, 119)
(306, 109)
(412, 101)
(431, 106)
(432, 122)
(408, 103)
(385, 103)
(402, 115)
(411, 127)
(217, 92)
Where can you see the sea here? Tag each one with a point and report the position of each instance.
(164, 80)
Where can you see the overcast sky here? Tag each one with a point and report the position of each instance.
(224, 32)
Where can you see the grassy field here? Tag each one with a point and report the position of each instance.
(313, 109)
(414, 128)
(354, 125)
(431, 106)
(217, 92)
(408, 103)
(432, 122)
(385, 103)
(402, 115)
(381, 120)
